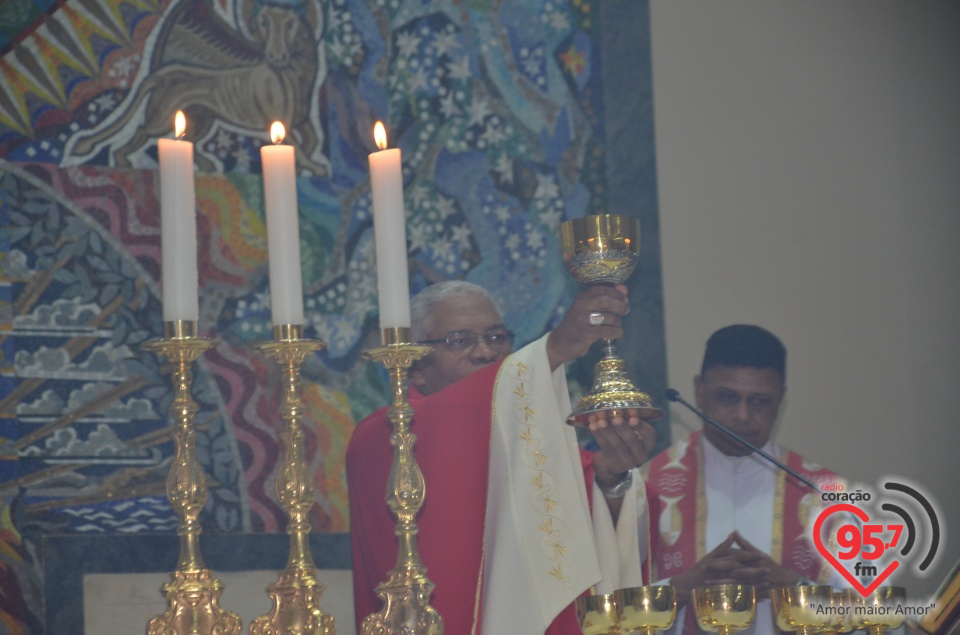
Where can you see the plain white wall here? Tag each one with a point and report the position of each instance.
(808, 158)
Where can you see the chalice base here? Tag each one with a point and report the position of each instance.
(613, 394)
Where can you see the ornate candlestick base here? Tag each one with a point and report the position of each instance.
(406, 591)
(193, 595)
(296, 593)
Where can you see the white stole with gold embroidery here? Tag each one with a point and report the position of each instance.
(540, 547)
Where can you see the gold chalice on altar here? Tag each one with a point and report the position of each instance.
(598, 614)
(846, 619)
(603, 250)
(644, 610)
(725, 608)
(807, 610)
(879, 612)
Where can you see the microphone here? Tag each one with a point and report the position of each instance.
(674, 395)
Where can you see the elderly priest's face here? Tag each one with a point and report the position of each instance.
(475, 336)
(744, 399)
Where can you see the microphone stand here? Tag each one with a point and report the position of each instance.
(673, 395)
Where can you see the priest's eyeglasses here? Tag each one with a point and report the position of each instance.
(498, 339)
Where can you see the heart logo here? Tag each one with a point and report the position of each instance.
(862, 515)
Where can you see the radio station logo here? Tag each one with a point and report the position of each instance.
(868, 547)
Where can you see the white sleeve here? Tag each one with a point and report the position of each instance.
(622, 549)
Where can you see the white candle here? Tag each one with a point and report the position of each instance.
(283, 230)
(178, 227)
(390, 233)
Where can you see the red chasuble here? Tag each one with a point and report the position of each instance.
(453, 428)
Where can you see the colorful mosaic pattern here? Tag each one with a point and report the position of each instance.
(497, 107)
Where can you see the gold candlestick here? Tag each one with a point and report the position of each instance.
(193, 594)
(296, 593)
(406, 591)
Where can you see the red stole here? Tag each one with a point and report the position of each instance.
(453, 451)
(678, 513)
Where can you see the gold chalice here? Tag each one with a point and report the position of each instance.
(847, 619)
(725, 608)
(644, 610)
(879, 612)
(598, 614)
(603, 250)
(804, 609)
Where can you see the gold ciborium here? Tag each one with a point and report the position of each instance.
(725, 608)
(804, 609)
(598, 614)
(644, 610)
(879, 612)
(603, 250)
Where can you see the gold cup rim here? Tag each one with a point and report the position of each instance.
(617, 229)
(700, 593)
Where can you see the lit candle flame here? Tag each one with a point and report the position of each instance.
(380, 135)
(277, 132)
(179, 125)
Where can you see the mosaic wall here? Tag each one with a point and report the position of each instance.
(496, 104)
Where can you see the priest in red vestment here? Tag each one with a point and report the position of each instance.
(722, 514)
(506, 532)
